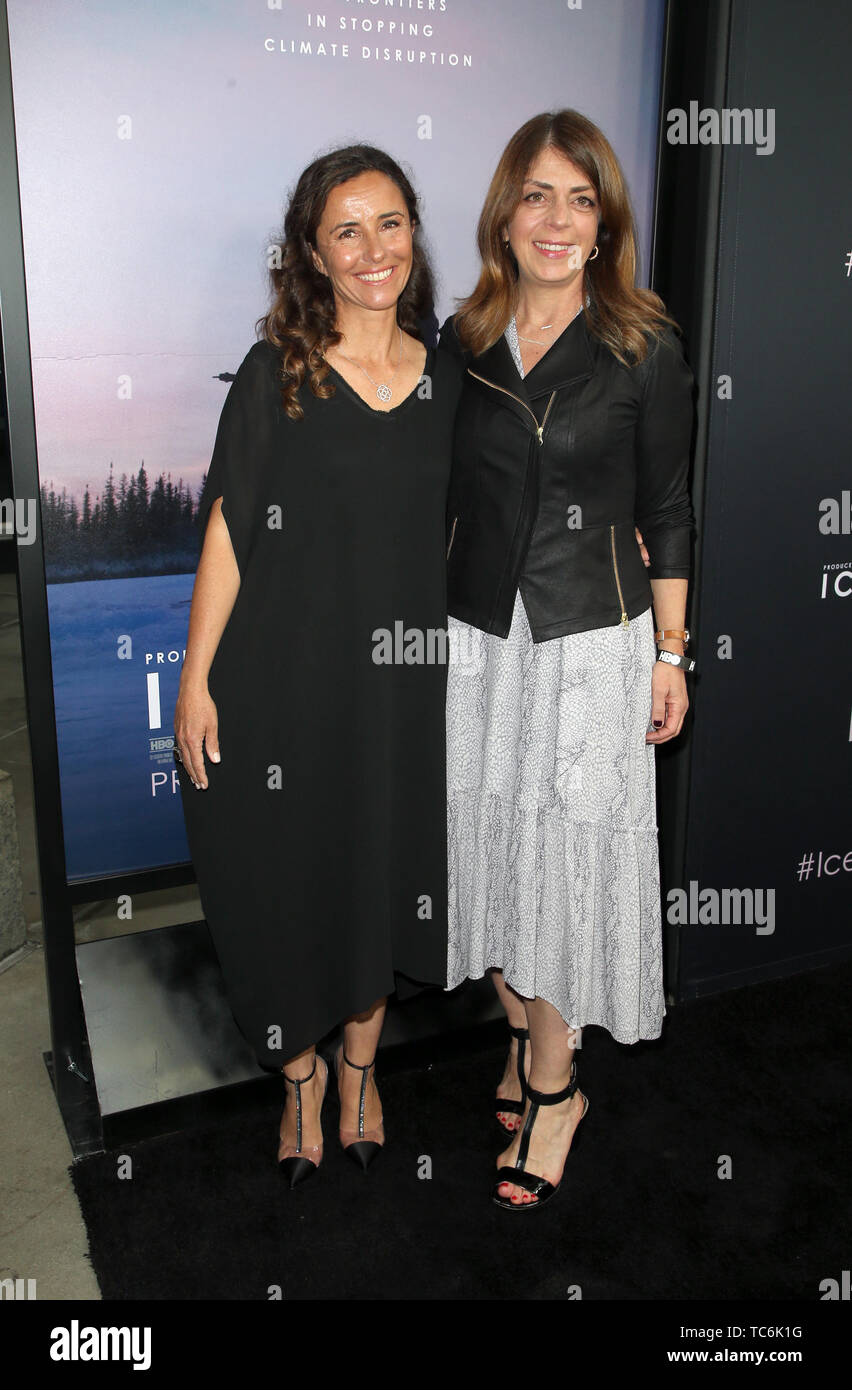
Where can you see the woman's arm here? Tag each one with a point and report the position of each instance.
(664, 515)
(663, 510)
(217, 583)
(232, 499)
(669, 701)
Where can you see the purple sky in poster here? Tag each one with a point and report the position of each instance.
(146, 256)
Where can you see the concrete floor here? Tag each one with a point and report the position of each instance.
(42, 1235)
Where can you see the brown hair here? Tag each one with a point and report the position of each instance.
(300, 323)
(619, 313)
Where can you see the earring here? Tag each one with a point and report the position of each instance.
(593, 256)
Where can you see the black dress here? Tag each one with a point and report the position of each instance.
(320, 842)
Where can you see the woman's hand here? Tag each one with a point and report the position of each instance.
(643, 549)
(196, 723)
(669, 701)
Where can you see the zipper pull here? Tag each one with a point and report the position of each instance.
(540, 430)
(625, 621)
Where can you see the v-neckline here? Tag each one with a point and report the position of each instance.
(395, 409)
(525, 375)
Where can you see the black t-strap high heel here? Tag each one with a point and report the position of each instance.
(539, 1187)
(301, 1163)
(361, 1145)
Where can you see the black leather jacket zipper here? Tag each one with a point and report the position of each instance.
(539, 433)
(625, 621)
(539, 428)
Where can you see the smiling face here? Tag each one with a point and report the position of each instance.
(553, 229)
(364, 242)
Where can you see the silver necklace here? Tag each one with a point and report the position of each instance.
(542, 329)
(383, 390)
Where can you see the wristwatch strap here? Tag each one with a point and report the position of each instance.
(682, 633)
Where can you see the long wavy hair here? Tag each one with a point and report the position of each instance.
(619, 314)
(300, 322)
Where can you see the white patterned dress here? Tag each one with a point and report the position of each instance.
(552, 834)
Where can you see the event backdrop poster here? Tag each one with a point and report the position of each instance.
(156, 146)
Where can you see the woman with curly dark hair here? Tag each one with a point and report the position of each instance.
(309, 725)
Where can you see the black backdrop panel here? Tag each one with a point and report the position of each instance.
(770, 785)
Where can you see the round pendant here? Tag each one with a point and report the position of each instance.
(383, 392)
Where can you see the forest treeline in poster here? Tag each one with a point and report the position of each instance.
(131, 527)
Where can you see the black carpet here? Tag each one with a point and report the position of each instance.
(758, 1074)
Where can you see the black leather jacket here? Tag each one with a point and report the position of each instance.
(551, 474)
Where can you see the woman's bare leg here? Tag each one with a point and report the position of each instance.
(509, 1087)
(361, 1035)
(297, 1068)
(552, 1044)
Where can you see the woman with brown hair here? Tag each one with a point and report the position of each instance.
(573, 429)
(310, 740)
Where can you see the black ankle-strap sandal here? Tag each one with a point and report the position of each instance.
(514, 1107)
(362, 1147)
(531, 1182)
(297, 1167)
